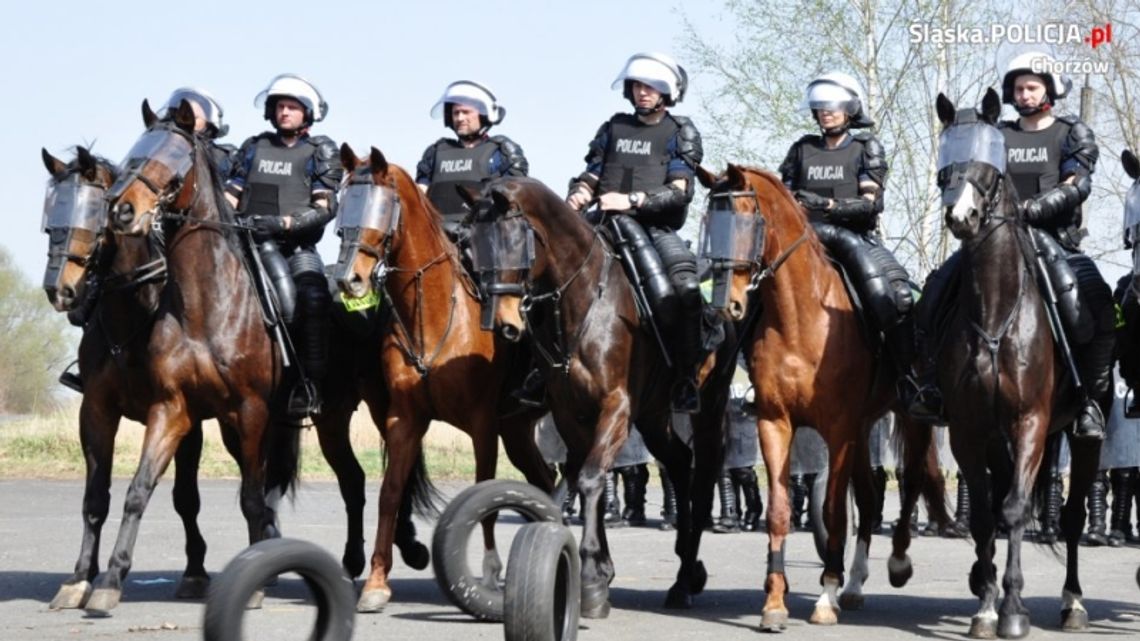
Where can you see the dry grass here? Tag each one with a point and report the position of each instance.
(48, 447)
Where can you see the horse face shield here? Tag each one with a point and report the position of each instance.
(152, 174)
(732, 241)
(971, 163)
(74, 218)
(367, 218)
(502, 254)
(1132, 225)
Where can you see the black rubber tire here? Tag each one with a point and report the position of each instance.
(542, 599)
(331, 588)
(453, 530)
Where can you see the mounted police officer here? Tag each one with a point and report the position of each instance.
(839, 177)
(1051, 159)
(642, 166)
(469, 109)
(284, 187)
(207, 124)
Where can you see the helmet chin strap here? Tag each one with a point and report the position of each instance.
(832, 131)
(645, 111)
(1046, 105)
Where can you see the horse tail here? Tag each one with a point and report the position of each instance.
(421, 497)
(916, 449)
(283, 459)
(1039, 500)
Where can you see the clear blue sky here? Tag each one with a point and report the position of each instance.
(77, 73)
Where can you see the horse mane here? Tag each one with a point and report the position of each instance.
(212, 196)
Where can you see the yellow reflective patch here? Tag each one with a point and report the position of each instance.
(1119, 316)
(367, 301)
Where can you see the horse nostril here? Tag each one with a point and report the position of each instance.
(66, 293)
(736, 310)
(511, 333)
(124, 213)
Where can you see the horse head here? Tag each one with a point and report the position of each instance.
(1132, 213)
(504, 248)
(75, 218)
(156, 174)
(971, 164)
(367, 221)
(733, 238)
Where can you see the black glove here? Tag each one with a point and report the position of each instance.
(267, 225)
(811, 200)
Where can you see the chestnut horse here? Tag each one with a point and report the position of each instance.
(604, 372)
(810, 364)
(1008, 395)
(437, 363)
(209, 353)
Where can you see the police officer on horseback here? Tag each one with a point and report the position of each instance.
(284, 187)
(839, 177)
(641, 166)
(469, 109)
(1051, 159)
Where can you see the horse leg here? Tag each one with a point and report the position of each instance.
(404, 435)
(691, 575)
(167, 424)
(775, 446)
(333, 435)
(835, 517)
(98, 424)
(187, 503)
(1085, 464)
(597, 567)
(1013, 616)
(486, 444)
(852, 596)
(917, 440)
(517, 432)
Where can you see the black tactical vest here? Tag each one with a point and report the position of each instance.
(278, 182)
(1033, 158)
(831, 173)
(456, 165)
(636, 158)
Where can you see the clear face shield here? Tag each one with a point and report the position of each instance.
(960, 145)
(368, 206)
(1132, 224)
(171, 151)
(74, 204)
(499, 246)
(731, 240)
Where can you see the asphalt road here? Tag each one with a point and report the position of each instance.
(40, 529)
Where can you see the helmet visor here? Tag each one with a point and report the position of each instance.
(211, 111)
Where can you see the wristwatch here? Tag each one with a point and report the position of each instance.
(635, 199)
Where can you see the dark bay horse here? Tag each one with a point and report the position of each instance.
(604, 372)
(112, 355)
(810, 364)
(437, 363)
(209, 353)
(1007, 392)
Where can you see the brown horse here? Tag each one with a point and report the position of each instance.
(1008, 395)
(112, 355)
(810, 364)
(603, 369)
(437, 363)
(210, 355)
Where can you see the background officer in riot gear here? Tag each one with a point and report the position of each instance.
(1051, 159)
(284, 187)
(839, 177)
(469, 109)
(642, 166)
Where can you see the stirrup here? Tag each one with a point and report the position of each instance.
(1089, 425)
(304, 402)
(923, 402)
(532, 392)
(686, 398)
(71, 380)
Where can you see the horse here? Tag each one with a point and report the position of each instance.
(811, 364)
(604, 370)
(435, 360)
(1007, 392)
(209, 355)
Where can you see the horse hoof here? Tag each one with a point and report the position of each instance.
(353, 561)
(1074, 620)
(71, 596)
(1013, 626)
(899, 571)
(193, 587)
(700, 578)
(983, 628)
(255, 600)
(415, 556)
(373, 600)
(824, 615)
(596, 600)
(678, 598)
(774, 621)
(102, 601)
(851, 602)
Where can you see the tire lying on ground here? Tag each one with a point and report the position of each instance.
(544, 585)
(453, 531)
(248, 572)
